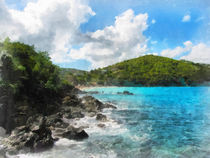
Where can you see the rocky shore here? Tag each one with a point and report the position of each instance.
(39, 132)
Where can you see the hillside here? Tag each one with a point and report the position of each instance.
(73, 76)
(147, 70)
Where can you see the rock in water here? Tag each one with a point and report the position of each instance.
(101, 117)
(125, 93)
(72, 133)
(91, 104)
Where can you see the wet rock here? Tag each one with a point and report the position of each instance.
(35, 135)
(91, 114)
(91, 104)
(101, 117)
(72, 133)
(125, 93)
(101, 125)
(75, 115)
(107, 105)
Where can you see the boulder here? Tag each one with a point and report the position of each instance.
(56, 120)
(101, 125)
(91, 104)
(35, 135)
(107, 105)
(101, 117)
(72, 133)
(71, 100)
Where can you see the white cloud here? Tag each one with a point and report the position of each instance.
(153, 21)
(171, 53)
(154, 42)
(49, 25)
(53, 26)
(121, 41)
(186, 18)
(199, 53)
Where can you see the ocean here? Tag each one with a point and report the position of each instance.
(154, 122)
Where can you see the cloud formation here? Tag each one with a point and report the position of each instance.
(53, 26)
(186, 18)
(199, 53)
(121, 41)
(172, 53)
(50, 25)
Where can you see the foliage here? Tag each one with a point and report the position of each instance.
(147, 70)
(30, 74)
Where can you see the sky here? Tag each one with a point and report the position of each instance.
(89, 34)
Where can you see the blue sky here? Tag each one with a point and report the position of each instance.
(166, 28)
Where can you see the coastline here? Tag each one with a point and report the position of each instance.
(82, 88)
(70, 122)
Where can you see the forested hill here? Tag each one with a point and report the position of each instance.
(147, 70)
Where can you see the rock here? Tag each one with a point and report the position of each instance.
(107, 105)
(56, 121)
(101, 117)
(125, 93)
(91, 114)
(73, 133)
(74, 115)
(93, 92)
(71, 100)
(101, 125)
(35, 135)
(91, 104)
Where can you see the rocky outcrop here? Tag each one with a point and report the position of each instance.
(71, 133)
(35, 136)
(38, 132)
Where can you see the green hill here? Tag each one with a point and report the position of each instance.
(147, 70)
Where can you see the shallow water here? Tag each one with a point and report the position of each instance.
(153, 123)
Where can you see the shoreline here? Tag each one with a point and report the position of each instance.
(91, 87)
(68, 127)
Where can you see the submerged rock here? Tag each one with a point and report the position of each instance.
(125, 93)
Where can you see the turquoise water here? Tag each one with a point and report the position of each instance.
(153, 123)
(160, 122)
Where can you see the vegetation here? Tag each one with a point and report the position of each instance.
(30, 75)
(148, 70)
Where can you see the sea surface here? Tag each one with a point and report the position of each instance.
(161, 122)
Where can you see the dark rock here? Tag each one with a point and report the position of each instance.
(73, 133)
(125, 93)
(76, 114)
(107, 105)
(71, 100)
(35, 135)
(101, 117)
(101, 125)
(93, 92)
(91, 104)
